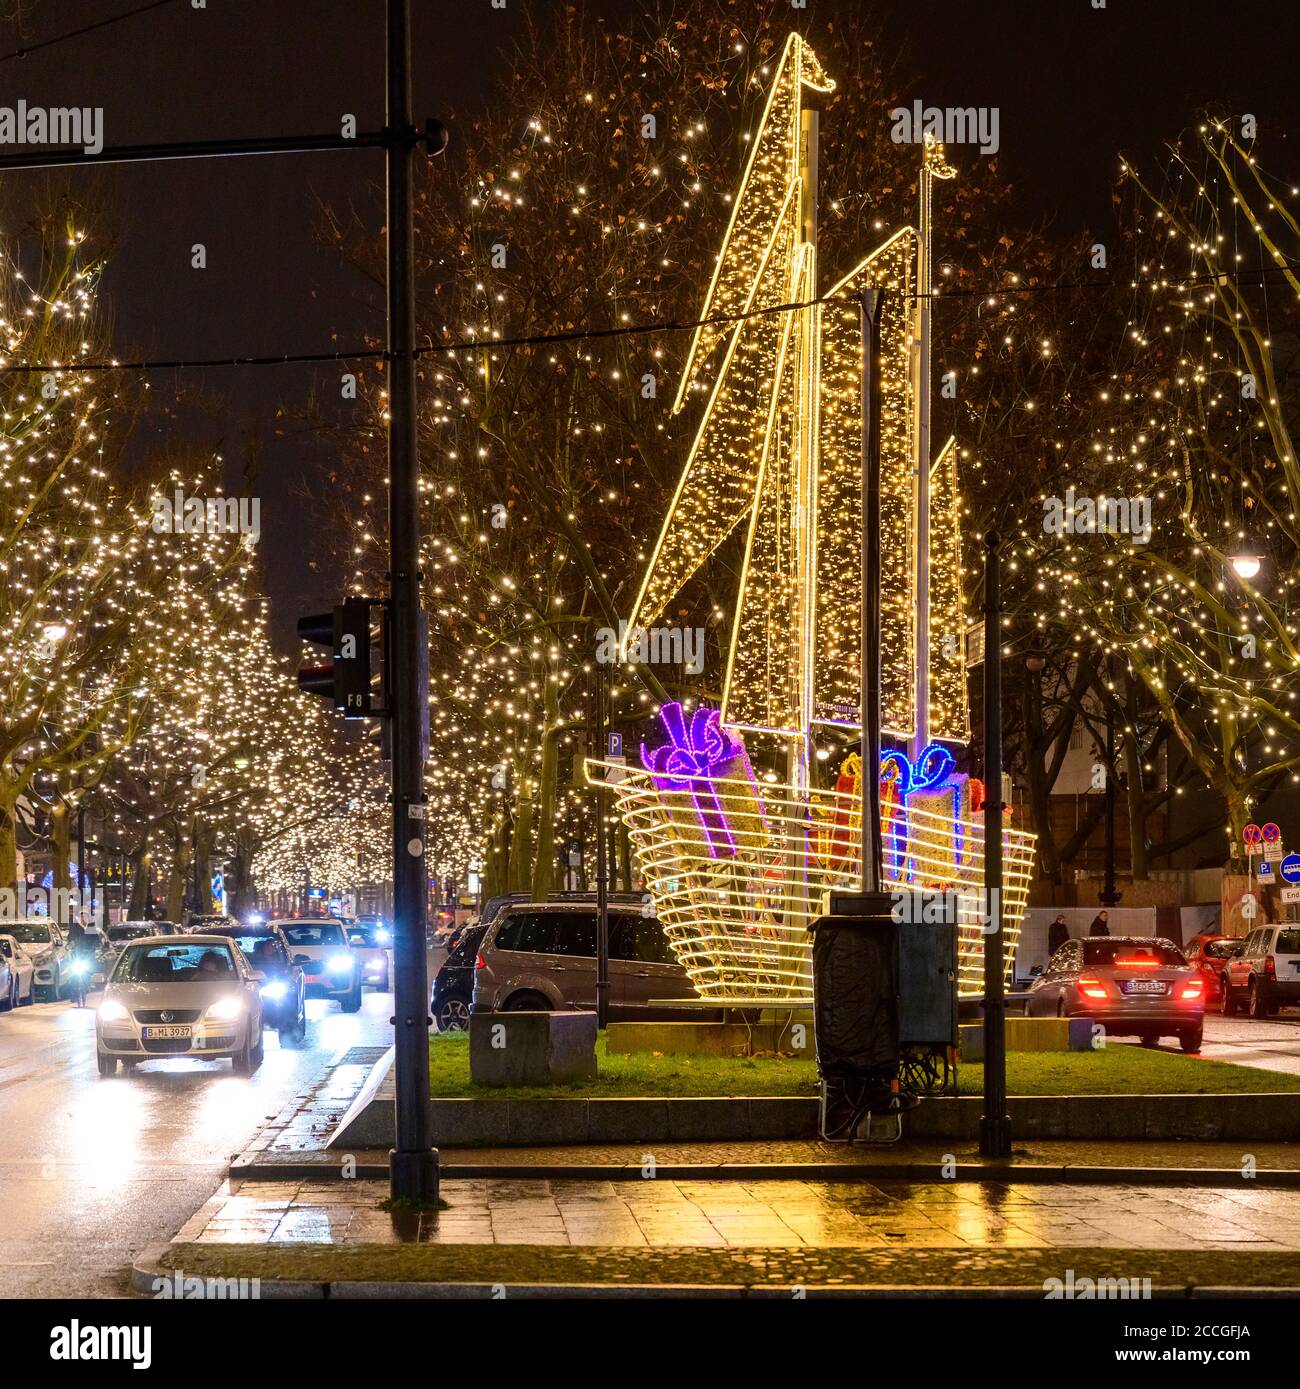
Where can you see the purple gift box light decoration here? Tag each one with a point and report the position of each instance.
(902, 779)
(691, 762)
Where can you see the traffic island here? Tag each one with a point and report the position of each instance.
(1118, 1093)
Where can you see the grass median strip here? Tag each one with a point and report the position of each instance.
(605, 1265)
(1114, 1070)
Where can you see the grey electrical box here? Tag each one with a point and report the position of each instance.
(927, 981)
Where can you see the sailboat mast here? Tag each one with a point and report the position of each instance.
(805, 528)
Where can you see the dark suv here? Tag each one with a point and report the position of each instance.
(453, 984)
(542, 956)
(280, 981)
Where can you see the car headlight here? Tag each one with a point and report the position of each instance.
(339, 964)
(382, 936)
(80, 967)
(275, 989)
(111, 1011)
(225, 1010)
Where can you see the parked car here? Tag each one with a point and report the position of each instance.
(8, 984)
(207, 921)
(373, 946)
(22, 974)
(1135, 986)
(282, 983)
(1264, 973)
(330, 966)
(1209, 953)
(180, 996)
(453, 984)
(45, 946)
(542, 955)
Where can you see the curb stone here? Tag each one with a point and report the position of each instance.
(1029, 1174)
(148, 1267)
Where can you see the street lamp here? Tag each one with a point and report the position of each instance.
(1246, 562)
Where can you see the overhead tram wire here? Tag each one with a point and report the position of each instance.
(90, 28)
(628, 330)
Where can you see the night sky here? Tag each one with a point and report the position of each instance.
(1074, 84)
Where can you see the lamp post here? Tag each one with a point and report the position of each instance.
(995, 1122)
(599, 692)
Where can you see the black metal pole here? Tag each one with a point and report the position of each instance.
(995, 1123)
(1109, 897)
(872, 308)
(81, 863)
(602, 861)
(413, 1163)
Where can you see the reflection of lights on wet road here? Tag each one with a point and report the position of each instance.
(102, 1136)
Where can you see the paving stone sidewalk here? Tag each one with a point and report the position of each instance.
(730, 1214)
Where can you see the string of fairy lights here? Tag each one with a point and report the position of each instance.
(511, 610)
(136, 675)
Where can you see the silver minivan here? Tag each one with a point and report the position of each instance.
(542, 956)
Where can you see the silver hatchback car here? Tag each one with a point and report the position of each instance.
(189, 996)
(1135, 986)
(541, 956)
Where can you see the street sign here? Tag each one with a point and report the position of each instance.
(1264, 871)
(1274, 852)
(974, 645)
(615, 744)
(1289, 868)
(1271, 833)
(1290, 894)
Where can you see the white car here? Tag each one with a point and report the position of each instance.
(373, 946)
(189, 996)
(17, 975)
(330, 967)
(43, 943)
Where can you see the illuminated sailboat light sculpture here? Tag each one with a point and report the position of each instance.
(739, 866)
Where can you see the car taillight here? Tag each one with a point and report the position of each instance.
(479, 961)
(1141, 963)
(1270, 968)
(1193, 988)
(1092, 988)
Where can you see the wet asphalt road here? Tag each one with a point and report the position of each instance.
(93, 1171)
(1271, 1045)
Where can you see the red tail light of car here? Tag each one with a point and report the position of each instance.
(1092, 988)
(1270, 967)
(1193, 988)
(479, 961)
(1142, 963)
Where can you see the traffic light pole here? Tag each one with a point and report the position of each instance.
(413, 1163)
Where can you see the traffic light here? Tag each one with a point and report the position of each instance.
(346, 679)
